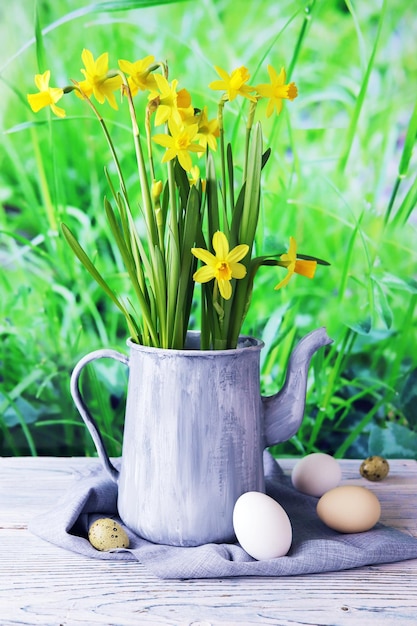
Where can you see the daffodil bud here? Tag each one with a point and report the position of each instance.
(156, 190)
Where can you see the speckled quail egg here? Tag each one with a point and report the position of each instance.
(106, 534)
(374, 468)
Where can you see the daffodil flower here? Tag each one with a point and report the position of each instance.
(194, 175)
(223, 266)
(184, 106)
(139, 76)
(234, 84)
(167, 97)
(179, 144)
(208, 130)
(97, 81)
(295, 266)
(276, 91)
(47, 96)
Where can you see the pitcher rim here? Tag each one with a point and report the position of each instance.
(256, 345)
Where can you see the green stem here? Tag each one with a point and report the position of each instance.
(143, 178)
(308, 12)
(223, 190)
(173, 253)
(149, 141)
(249, 124)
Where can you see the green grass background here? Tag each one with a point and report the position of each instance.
(341, 179)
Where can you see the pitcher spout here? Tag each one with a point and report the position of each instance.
(284, 411)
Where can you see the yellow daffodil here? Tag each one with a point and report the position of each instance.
(222, 267)
(179, 143)
(139, 76)
(234, 84)
(194, 176)
(47, 96)
(295, 266)
(276, 91)
(167, 99)
(184, 106)
(96, 80)
(208, 130)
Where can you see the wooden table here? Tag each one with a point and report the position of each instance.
(44, 584)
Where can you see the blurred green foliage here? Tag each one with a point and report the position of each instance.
(341, 179)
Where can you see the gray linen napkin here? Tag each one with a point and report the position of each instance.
(315, 548)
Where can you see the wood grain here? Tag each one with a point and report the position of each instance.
(43, 584)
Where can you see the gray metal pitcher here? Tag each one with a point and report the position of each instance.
(195, 429)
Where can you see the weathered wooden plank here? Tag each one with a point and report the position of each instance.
(81, 591)
(42, 584)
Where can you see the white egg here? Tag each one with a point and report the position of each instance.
(262, 527)
(316, 473)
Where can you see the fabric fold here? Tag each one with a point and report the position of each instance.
(315, 548)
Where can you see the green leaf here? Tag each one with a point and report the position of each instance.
(40, 48)
(407, 205)
(393, 441)
(250, 213)
(408, 399)
(409, 142)
(362, 327)
(192, 226)
(90, 267)
(212, 199)
(351, 134)
(407, 285)
(133, 268)
(381, 305)
(230, 174)
(17, 410)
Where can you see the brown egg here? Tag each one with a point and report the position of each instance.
(374, 468)
(106, 534)
(349, 509)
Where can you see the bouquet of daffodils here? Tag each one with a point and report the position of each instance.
(199, 229)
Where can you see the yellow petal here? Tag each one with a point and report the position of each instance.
(218, 85)
(42, 80)
(204, 274)
(220, 245)
(305, 267)
(88, 60)
(162, 114)
(59, 112)
(238, 253)
(163, 140)
(205, 256)
(222, 72)
(102, 64)
(292, 252)
(284, 281)
(225, 289)
(38, 101)
(169, 154)
(238, 270)
(185, 160)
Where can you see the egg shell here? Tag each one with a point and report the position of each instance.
(374, 468)
(106, 534)
(316, 473)
(349, 509)
(262, 526)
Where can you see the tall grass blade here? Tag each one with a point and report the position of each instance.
(408, 204)
(351, 133)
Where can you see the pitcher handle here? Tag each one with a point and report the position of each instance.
(82, 407)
